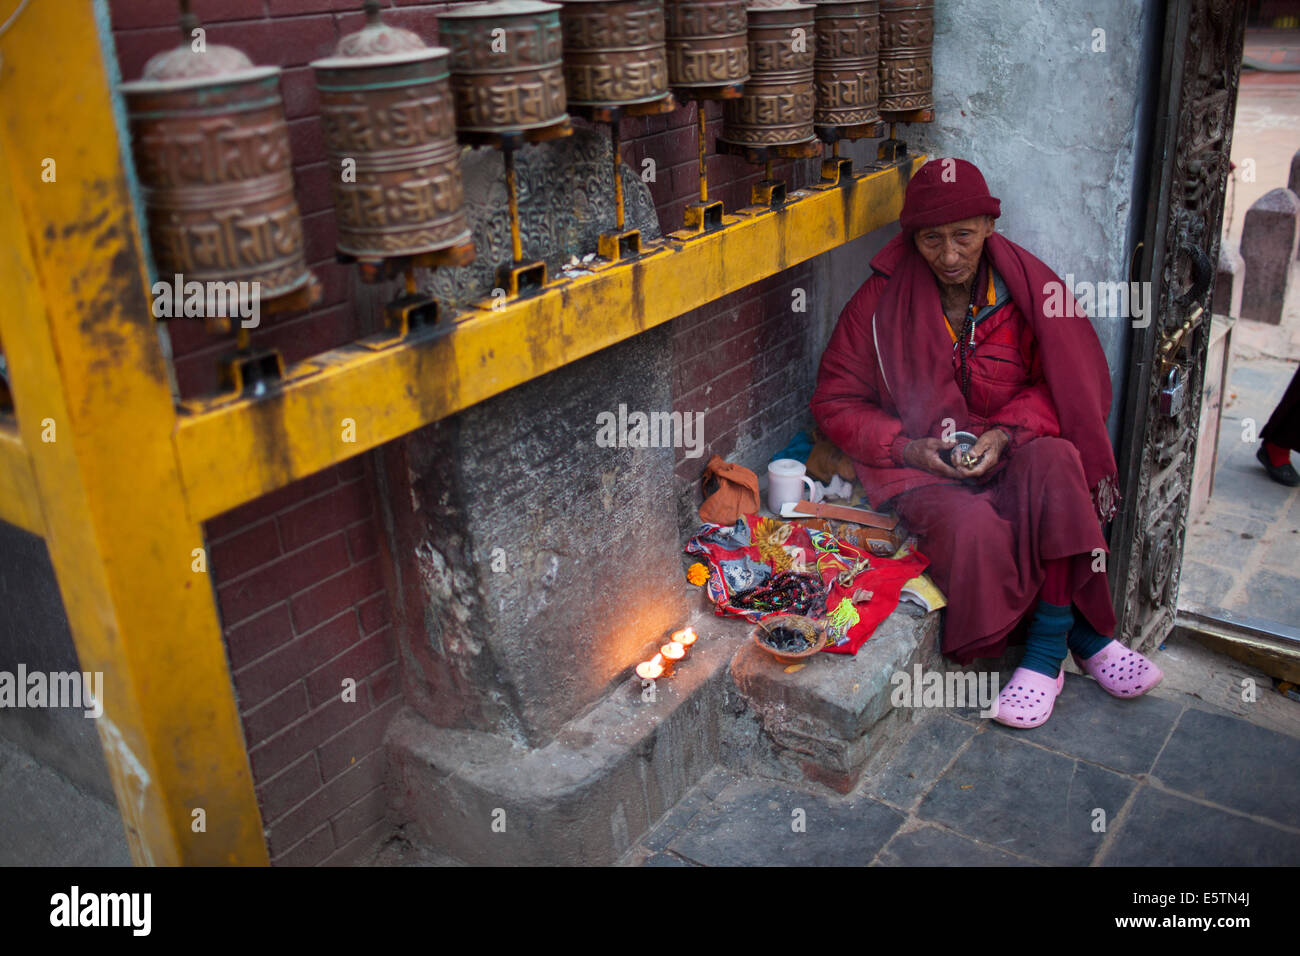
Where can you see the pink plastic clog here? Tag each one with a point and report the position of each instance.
(1121, 672)
(1028, 698)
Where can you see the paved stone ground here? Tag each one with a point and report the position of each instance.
(1174, 781)
(1243, 551)
(1189, 775)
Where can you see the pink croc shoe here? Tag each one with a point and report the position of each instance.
(1028, 698)
(1121, 672)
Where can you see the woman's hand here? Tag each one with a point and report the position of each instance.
(923, 453)
(986, 453)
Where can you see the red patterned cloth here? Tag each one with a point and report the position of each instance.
(754, 551)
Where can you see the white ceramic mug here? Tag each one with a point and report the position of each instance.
(785, 480)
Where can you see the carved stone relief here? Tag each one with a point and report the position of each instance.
(566, 200)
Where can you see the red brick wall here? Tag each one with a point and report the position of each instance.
(744, 361)
(304, 606)
(301, 593)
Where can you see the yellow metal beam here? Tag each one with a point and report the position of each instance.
(19, 503)
(238, 451)
(83, 352)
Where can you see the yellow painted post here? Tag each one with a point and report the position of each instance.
(20, 504)
(85, 359)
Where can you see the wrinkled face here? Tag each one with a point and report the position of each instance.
(953, 250)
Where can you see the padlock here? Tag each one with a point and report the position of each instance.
(1173, 393)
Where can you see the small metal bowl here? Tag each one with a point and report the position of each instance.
(965, 442)
(795, 622)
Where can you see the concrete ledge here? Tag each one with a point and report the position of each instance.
(585, 797)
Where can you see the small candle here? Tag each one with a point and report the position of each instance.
(686, 637)
(651, 669)
(673, 651)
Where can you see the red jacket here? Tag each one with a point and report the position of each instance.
(855, 410)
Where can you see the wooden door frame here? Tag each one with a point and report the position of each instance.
(1181, 226)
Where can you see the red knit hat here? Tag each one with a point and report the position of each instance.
(946, 190)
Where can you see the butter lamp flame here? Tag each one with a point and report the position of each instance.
(651, 669)
(672, 653)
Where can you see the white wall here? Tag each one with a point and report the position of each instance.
(1056, 128)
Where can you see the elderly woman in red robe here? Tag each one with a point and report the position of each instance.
(960, 329)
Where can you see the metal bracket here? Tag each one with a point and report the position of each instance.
(251, 372)
(409, 312)
(702, 216)
(836, 171)
(617, 246)
(522, 278)
(891, 150)
(767, 192)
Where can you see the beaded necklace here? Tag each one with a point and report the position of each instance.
(966, 339)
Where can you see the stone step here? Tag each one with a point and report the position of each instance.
(822, 722)
(614, 773)
(585, 797)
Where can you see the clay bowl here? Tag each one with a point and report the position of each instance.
(794, 622)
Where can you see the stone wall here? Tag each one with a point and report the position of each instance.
(535, 564)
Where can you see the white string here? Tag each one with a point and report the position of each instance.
(22, 4)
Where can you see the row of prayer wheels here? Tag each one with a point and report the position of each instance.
(212, 146)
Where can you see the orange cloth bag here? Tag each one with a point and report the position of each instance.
(736, 495)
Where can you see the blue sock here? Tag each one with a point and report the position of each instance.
(1045, 645)
(1084, 639)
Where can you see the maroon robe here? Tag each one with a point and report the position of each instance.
(888, 376)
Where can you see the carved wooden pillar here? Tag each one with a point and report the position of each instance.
(1203, 44)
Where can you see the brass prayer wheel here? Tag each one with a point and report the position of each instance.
(776, 107)
(614, 52)
(506, 65)
(212, 151)
(848, 62)
(390, 130)
(906, 51)
(705, 42)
